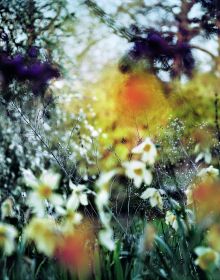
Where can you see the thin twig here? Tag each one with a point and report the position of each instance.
(40, 138)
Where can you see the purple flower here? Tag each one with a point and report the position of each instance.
(23, 69)
(140, 49)
(40, 74)
(22, 72)
(161, 49)
(35, 71)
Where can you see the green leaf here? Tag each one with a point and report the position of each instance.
(117, 262)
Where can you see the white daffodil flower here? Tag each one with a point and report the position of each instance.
(154, 196)
(102, 193)
(29, 179)
(106, 238)
(70, 217)
(208, 174)
(102, 198)
(104, 179)
(137, 171)
(171, 220)
(207, 257)
(203, 154)
(8, 234)
(206, 155)
(148, 151)
(43, 190)
(44, 232)
(78, 196)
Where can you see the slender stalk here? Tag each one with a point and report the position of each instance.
(40, 138)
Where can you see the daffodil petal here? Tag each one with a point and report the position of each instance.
(83, 199)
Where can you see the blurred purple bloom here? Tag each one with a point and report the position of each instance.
(157, 47)
(19, 68)
(35, 71)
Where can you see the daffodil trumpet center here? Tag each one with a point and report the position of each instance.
(45, 191)
(147, 148)
(138, 171)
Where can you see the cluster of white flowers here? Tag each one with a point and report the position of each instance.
(140, 173)
(43, 228)
(43, 195)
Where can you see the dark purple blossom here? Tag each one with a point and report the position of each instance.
(159, 48)
(157, 43)
(22, 68)
(22, 72)
(35, 71)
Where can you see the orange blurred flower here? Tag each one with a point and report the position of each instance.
(137, 94)
(74, 250)
(140, 97)
(207, 199)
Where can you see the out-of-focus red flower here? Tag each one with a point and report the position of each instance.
(74, 250)
(137, 93)
(207, 199)
(140, 99)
